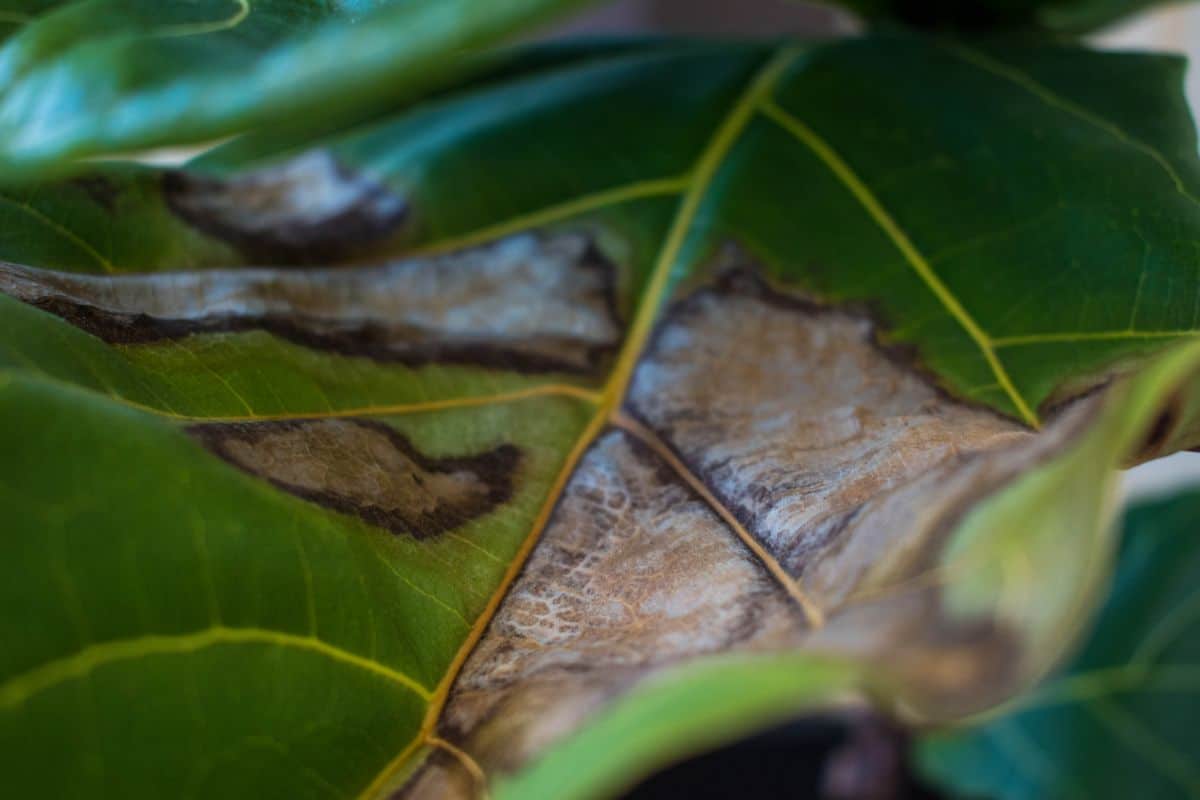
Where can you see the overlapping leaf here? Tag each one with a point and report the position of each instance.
(87, 77)
(1118, 721)
(693, 349)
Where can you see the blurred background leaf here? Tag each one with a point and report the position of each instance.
(90, 77)
(1120, 720)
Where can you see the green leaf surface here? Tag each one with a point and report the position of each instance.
(92, 77)
(1118, 721)
(475, 420)
(1058, 16)
(852, 179)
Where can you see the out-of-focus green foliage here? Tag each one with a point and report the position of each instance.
(90, 77)
(1119, 720)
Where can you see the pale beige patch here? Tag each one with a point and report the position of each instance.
(524, 303)
(848, 467)
(845, 464)
(797, 419)
(301, 210)
(368, 469)
(634, 573)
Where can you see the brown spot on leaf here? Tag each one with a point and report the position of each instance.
(634, 573)
(795, 416)
(369, 470)
(304, 211)
(844, 462)
(527, 303)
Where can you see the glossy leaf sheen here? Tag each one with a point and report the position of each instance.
(595, 368)
(87, 77)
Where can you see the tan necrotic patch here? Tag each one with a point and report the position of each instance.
(528, 303)
(842, 461)
(633, 573)
(848, 467)
(369, 470)
(304, 210)
(795, 417)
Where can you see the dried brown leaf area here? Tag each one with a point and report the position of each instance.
(525, 303)
(367, 469)
(768, 451)
(772, 479)
(305, 210)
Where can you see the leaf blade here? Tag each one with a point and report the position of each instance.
(266, 62)
(292, 414)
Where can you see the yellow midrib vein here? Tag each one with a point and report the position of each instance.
(706, 167)
(20, 688)
(658, 187)
(920, 265)
(699, 181)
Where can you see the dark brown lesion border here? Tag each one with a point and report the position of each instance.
(496, 469)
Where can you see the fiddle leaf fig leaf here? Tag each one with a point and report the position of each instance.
(89, 77)
(1118, 719)
(394, 465)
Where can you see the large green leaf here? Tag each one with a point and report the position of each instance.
(1119, 721)
(692, 349)
(86, 77)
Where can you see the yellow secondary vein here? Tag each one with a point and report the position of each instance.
(1089, 336)
(418, 407)
(1043, 93)
(706, 167)
(64, 232)
(555, 213)
(900, 239)
(397, 409)
(812, 612)
(17, 690)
